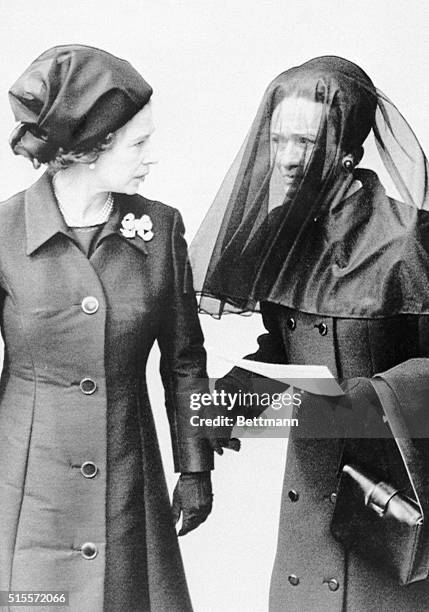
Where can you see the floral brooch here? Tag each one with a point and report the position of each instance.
(132, 226)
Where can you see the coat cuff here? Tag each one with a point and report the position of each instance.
(195, 455)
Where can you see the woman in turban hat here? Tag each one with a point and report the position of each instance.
(91, 276)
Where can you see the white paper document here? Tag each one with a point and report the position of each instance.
(317, 379)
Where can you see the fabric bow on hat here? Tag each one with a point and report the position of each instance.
(132, 226)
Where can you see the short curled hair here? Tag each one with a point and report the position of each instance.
(64, 159)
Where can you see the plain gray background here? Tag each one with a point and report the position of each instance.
(209, 62)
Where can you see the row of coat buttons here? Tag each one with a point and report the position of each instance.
(322, 327)
(88, 469)
(89, 550)
(294, 496)
(333, 584)
(89, 306)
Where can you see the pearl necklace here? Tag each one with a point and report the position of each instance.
(101, 217)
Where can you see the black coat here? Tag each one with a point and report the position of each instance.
(52, 421)
(306, 548)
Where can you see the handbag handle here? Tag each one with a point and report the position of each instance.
(410, 457)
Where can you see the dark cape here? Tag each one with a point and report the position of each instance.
(367, 257)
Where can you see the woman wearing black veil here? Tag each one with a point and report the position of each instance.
(339, 271)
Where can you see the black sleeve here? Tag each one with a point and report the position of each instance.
(183, 361)
(423, 336)
(270, 350)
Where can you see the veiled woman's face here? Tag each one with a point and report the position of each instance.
(293, 133)
(123, 166)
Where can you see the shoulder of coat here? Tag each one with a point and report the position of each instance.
(153, 208)
(145, 204)
(12, 207)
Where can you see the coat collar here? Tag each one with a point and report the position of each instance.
(43, 219)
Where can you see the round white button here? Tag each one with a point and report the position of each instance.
(90, 304)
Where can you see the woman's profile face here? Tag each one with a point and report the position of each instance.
(123, 166)
(293, 134)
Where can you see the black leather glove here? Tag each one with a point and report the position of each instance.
(218, 444)
(219, 438)
(193, 499)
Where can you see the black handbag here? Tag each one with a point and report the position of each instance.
(384, 520)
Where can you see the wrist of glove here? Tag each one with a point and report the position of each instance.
(192, 500)
(218, 444)
(219, 437)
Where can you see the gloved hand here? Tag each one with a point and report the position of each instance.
(219, 437)
(218, 444)
(193, 499)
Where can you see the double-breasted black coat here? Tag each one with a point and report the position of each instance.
(83, 499)
(312, 571)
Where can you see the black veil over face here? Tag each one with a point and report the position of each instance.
(294, 222)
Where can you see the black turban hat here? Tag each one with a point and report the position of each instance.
(72, 97)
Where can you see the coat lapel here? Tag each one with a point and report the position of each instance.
(43, 219)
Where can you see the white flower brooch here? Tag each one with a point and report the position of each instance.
(132, 226)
